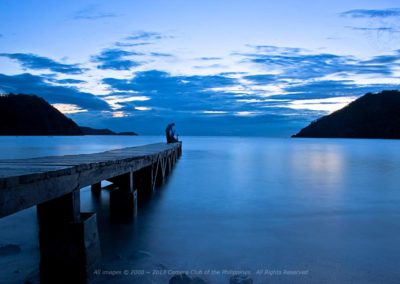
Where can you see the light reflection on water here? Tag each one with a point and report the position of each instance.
(327, 206)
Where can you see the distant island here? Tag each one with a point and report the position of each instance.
(22, 115)
(105, 131)
(370, 116)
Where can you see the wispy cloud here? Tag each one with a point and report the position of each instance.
(290, 64)
(293, 75)
(145, 36)
(69, 81)
(328, 104)
(209, 58)
(179, 93)
(211, 66)
(130, 44)
(191, 96)
(375, 29)
(365, 13)
(141, 38)
(261, 79)
(384, 59)
(118, 100)
(325, 89)
(69, 108)
(161, 54)
(32, 84)
(379, 26)
(92, 12)
(53, 78)
(36, 62)
(115, 59)
(277, 49)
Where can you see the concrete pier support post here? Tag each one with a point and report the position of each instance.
(143, 181)
(123, 198)
(96, 188)
(69, 243)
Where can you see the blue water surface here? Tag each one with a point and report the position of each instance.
(282, 210)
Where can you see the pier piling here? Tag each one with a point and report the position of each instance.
(68, 240)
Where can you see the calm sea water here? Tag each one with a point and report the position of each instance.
(284, 210)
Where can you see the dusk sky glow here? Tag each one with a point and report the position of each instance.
(225, 67)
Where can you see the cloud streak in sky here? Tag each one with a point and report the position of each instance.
(179, 94)
(295, 64)
(145, 36)
(131, 44)
(365, 13)
(92, 12)
(377, 29)
(115, 59)
(36, 62)
(31, 84)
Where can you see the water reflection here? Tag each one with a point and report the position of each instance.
(329, 206)
(320, 166)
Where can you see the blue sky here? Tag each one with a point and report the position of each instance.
(226, 67)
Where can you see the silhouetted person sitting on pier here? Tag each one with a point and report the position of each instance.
(170, 133)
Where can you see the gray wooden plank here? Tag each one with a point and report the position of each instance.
(12, 170)
(28, 182)
(132, 152)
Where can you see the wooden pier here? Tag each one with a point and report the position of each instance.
(68, 238)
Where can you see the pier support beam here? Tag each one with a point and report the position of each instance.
(160, 171)
(69, 243)
(163, 167)
(123, 197)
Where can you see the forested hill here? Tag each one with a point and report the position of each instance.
(32, 115)
(370, 116)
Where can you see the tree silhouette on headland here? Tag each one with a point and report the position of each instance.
(370, 116)
(31, 115)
